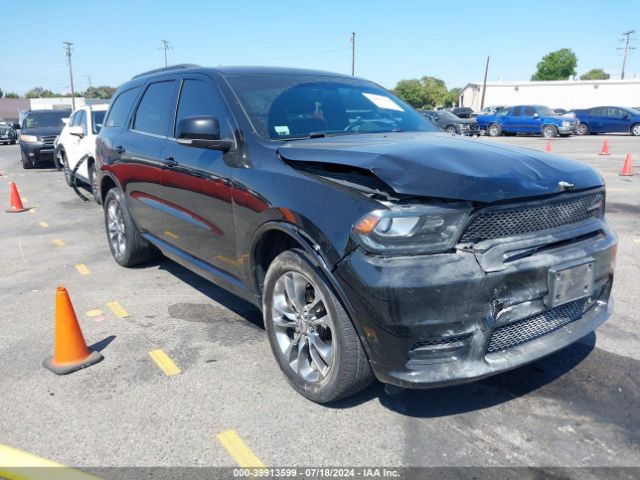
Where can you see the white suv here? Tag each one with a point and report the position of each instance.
(77, 141)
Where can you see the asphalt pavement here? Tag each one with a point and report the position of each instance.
(221, 389)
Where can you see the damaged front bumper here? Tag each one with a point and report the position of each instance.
(442, 319)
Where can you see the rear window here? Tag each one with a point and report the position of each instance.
(120, 107)
(155, 109)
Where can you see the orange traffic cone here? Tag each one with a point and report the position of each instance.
(626, 168)
(70, 349)
(605, 148)
(15, 201)
(548, 147)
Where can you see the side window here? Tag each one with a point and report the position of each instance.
(503, 113)
(598, 111)
(73, 121)
(201, 98)
(516, 111)
(529, 111)
(615, 113)
(82, 121)
(120, 107)
(154, 111)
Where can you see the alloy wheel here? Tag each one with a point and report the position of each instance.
(303, 326)
(636, 129)
(116, 227)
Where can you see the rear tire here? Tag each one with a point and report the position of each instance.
(311, 335)
(494, 130)
(125, 242)
(635, 129)
(549, 131)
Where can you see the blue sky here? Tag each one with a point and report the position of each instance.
(394, 40)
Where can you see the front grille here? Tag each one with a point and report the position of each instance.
(49, 139)
(440, 342)
(536, 326)
(508, 221)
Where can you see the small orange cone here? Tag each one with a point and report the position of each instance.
(15, 201)
(626, 168)
(605, 148)
(70, 349)
(548, 147)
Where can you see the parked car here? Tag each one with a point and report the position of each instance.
(461, 112)
(77, 143)
(608, 120)
(372, 243)
(38, 133)
(452, 124)
(7, 133)
(527, 119)
(489, 110)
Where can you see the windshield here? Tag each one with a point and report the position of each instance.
(545, 111)
(3, 122)
(98, 120)
(45, 119)
(296, 106)
(449, 116)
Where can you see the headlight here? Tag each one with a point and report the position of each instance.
(28, 138)
(566, 123)
(411, 230)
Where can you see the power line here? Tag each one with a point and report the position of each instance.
(165, 46)
(626, 49)
(67, 52)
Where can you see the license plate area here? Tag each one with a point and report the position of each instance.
(569, 282)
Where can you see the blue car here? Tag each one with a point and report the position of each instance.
(608, 120)
(528, 119)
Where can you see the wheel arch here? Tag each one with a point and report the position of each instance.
(107, 182)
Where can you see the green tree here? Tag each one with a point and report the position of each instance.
(411, 91)
(102, 92)
(1, 93)
(11, 95)
(39, 92)
(595, 74)
(452, 98)
(436, 92)
(558, 65)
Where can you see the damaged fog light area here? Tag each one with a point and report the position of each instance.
(412, 229)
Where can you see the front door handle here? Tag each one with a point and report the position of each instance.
(119, 150)
(170, 162)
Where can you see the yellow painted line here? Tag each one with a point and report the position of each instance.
(13, 463)
(58, 242)
(637, 240)
(240, 452)
(24, 199)
(170, 234)
(82, 269)
(43, 224)
(117, 309)
(94, 313)
(164, 362)
(33, 210)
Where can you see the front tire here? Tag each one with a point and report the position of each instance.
(583, 129)
(549, 131)
(451, 129)
(125, 242)
(26, 163)
(494, 130)
(61, 158)
(635, 129)
(311, 335)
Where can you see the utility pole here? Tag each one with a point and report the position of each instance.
(353, 54)
(626, 49)
(165, 46)
(67, 52)
(484, 83)
(89, 80)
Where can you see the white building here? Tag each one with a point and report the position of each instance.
(568, 94)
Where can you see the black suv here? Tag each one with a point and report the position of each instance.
(38, 133)
(373, 244)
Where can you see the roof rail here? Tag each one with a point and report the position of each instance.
(166, 69)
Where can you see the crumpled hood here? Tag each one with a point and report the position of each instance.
(446, 166)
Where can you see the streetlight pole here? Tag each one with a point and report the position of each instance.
(353, 53)
(67, 52)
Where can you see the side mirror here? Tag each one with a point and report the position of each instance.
(76, 130)
(65, 121)
(16, 126)
(202, 132)
(536, 115)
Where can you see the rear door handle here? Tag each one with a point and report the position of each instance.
(170, 162)
(120, 150)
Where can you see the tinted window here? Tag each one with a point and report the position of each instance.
(503, 113)
(97, 120)
(615, 112)
(529, 111)
(201, 98)
(516, 111)
(73, 120)
(120, 108)
(155, 109)
(598, 111)
(52, 118)
(82, 121)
